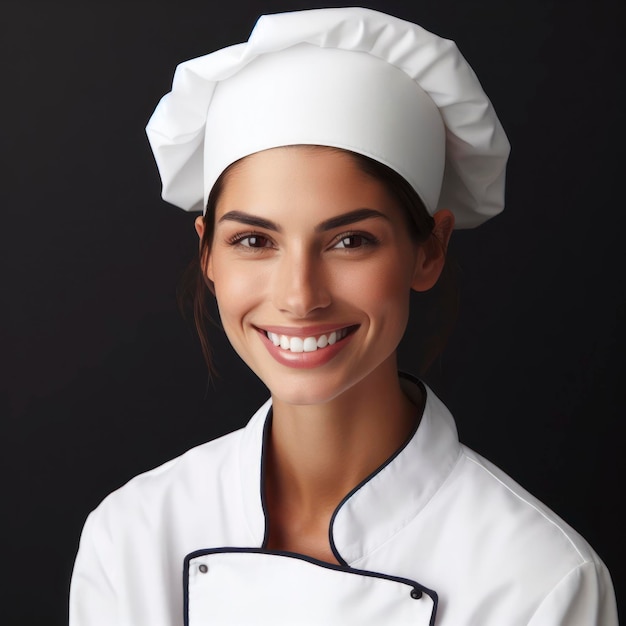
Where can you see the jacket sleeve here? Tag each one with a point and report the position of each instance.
(93, 597)
(585, 597)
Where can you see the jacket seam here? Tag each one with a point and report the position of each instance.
(534, 506)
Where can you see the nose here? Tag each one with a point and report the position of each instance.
(300, 284)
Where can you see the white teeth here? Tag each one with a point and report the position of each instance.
(296, 344)
(308, 344)
(274, 338)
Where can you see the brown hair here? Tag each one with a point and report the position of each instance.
(437, 309)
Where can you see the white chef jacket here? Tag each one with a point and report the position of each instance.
(437, 524)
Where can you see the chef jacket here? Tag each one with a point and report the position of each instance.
(435, 536)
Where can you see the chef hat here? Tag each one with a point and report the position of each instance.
(350, 78)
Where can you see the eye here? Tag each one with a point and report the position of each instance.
(351, 241)
(252, 240)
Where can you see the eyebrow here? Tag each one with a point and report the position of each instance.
(251, 220)
(334, 222)
(348, 218)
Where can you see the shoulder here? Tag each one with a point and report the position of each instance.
(196, 493)
(513, 535)
(505, 541)
(520, 516)
(195, 475)
(134, 542)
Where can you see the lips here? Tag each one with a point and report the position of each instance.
(309, 347)
(311, 343)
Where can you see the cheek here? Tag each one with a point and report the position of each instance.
(232, 296)
(382, 290)
(393, 310)
(394, 292)
(234, 289)
(389, 281)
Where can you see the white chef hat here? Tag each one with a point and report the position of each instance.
(350, 78)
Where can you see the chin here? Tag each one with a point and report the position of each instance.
(313, 387)
(298, 391)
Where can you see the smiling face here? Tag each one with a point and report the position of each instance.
(312, 265)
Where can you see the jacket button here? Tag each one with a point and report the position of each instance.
(416, 594)
(203, 568)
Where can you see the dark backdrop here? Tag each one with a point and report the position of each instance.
(102, 378)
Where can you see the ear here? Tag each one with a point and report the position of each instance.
(199, 226)
(431, 254)
(206, 263)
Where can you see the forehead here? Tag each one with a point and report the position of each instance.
(307, 181)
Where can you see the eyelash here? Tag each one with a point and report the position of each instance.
(368, 240)
(237, 240)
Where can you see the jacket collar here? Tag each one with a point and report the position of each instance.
(386, 501)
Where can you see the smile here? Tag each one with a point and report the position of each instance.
(306, 344)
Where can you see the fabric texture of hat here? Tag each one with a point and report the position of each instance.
(349, 78)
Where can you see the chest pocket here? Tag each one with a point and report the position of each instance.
(242, 587)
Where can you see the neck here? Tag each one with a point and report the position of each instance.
(318, 454)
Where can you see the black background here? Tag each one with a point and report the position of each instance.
(102, 378)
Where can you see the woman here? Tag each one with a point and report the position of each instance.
(332, 154)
